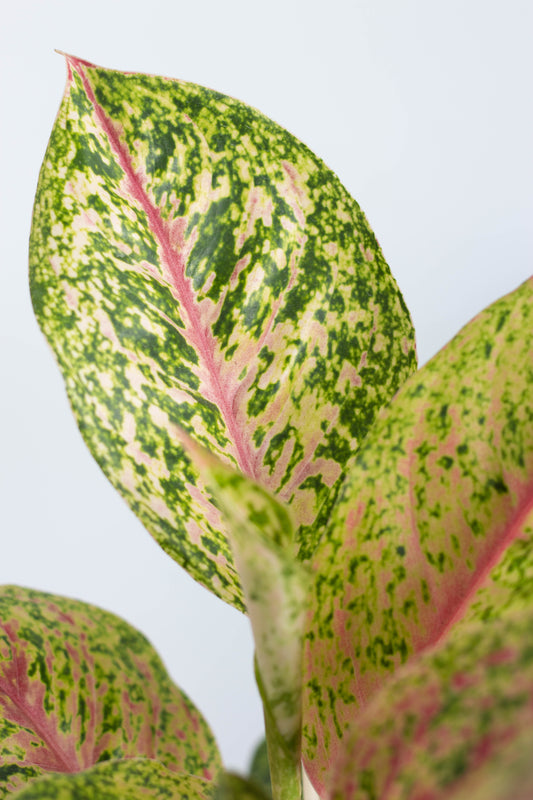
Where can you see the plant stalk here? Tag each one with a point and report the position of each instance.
(283, 759)
(285, 770)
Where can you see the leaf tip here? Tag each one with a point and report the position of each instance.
(73, 62)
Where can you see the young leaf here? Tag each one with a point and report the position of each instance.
(193, 263)
(79, 686)
(276, 587)
(127, 779)
(438, 492)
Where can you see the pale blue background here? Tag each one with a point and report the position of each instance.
(423, 109)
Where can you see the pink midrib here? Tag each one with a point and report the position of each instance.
(513, 530)
(34, 717)
(202, 341)
(443, 627)
(447, 617)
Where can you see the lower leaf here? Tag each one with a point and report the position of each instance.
(128, 779)
(80, 686)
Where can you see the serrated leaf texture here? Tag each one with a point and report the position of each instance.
(127, 779)
(436, 501)
(80, 686)
(194, 264)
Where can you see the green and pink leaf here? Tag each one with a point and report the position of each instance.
(194, 264)
(445, 723)
(80, 686)
(507, 776)
(430, 527)
(127, 779)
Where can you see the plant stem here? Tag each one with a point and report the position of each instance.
(283, 759)
(285, 772)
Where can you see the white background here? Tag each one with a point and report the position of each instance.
(423, 109)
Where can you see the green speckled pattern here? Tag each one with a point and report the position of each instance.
(80, 686)
(129, 779)
(507, 776)
(444, 723)
(436, 500)
(194, 264)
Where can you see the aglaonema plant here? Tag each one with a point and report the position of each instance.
(241, 364)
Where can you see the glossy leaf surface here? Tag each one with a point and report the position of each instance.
(438, 494)
(79, 686)
(129, 779)
(194, 264)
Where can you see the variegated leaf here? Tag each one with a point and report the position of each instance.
(444, 723)
(508, 775)
(127, 779)
(79, 686)
(439, 490)
(192, 263)
(276, 587)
